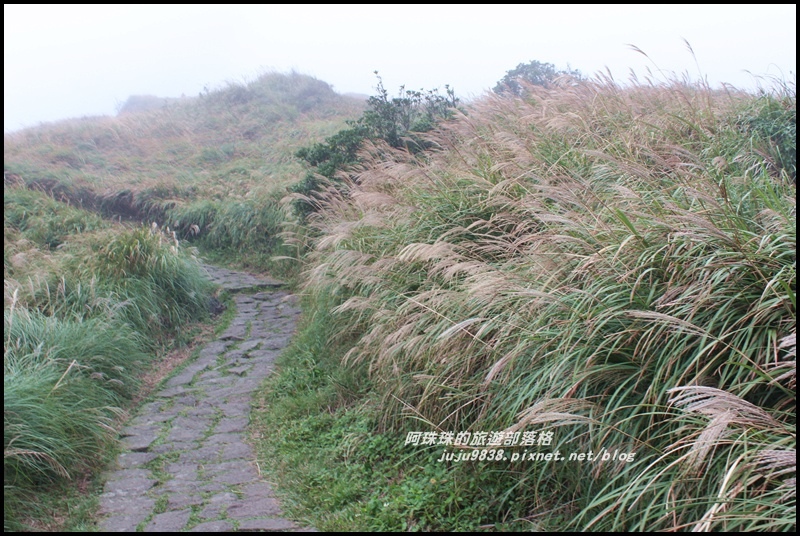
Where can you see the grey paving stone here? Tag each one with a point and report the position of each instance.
(238, 450)
(122, 523)
(139, 443)
(183, 470)
(270, 297)
(126, 505)
(170, 413)
(192, 423)
(257, 507)
(211, 487)
(223, 439)
(250, 344)
(129, 474)
(184, 378)
(177, 446)
(232, 424)
(187, 401)
(204, 454)
(168, 521)
(224, 466)
(173, 391)
(235, 332)
(264, 354)
(133, 460)
(257, 490)
(142, 429)
(277, 343)
(129, 486)
(214, 348)
(218, 383)
(236, 476)
(186, 486)
(253, 382)
(208, 375)
(235, 409)
(204, 408)
(185, 434)
(179, 501)
(217, 504)
(241, 370)
(154, 418)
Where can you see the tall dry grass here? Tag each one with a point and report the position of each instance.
(616, 265)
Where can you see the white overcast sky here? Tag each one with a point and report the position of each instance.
(66, 61)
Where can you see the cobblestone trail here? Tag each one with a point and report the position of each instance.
(187, 465)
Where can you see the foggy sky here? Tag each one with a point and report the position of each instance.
(78, 60)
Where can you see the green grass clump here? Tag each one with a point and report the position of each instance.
(770, 122)
(64, 382)
(614, 266)
(247, 230)
(149, 268)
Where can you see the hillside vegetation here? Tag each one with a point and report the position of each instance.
(609, 270)
(568, 307)
(212, 167)
(89, 302)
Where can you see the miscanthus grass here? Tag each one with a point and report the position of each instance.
(613, 265)
(81, 323)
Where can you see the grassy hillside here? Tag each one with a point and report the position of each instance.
(210, 167)
(99, 278)
(593, 287)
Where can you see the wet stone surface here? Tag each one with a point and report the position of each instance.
(186, 465)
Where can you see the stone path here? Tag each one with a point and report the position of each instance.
(187, 465)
